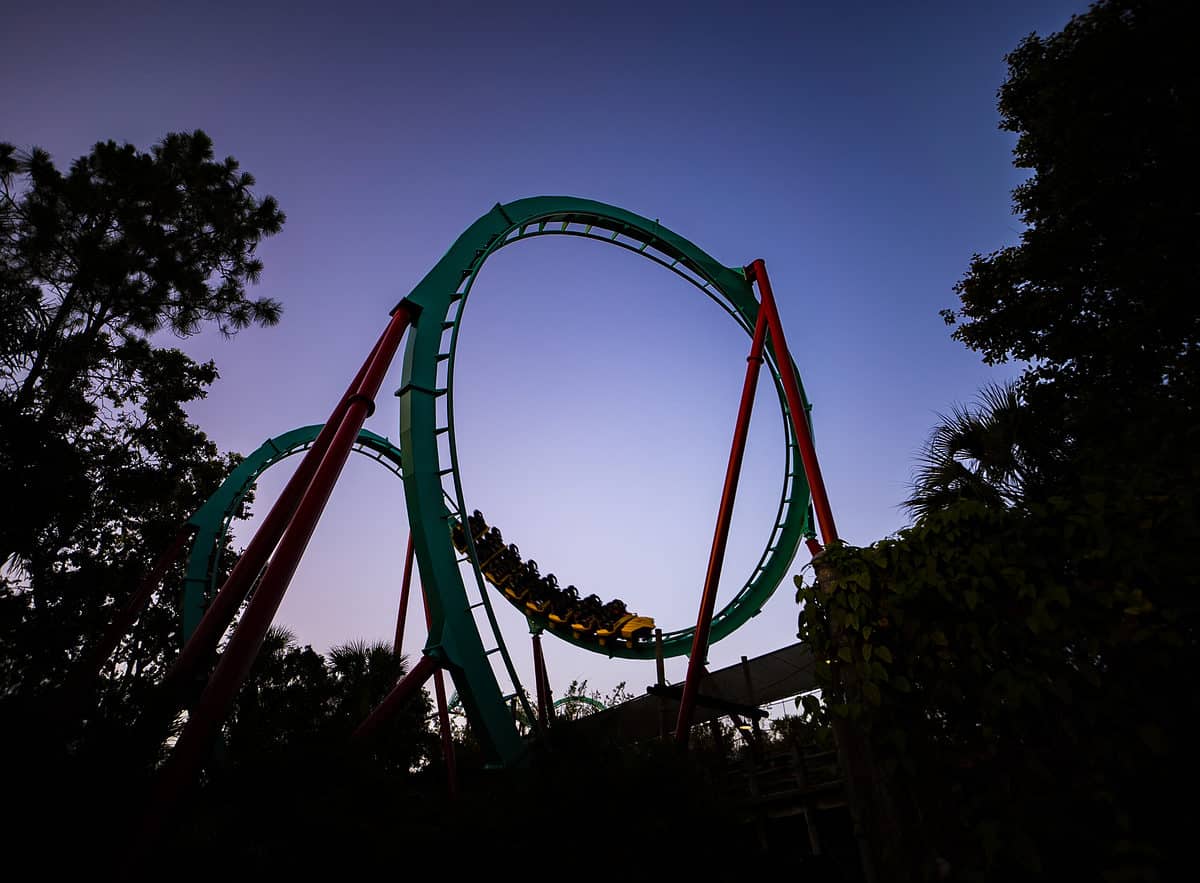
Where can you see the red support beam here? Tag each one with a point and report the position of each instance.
(439, 689)
(546, 686)
(549, 693)
(808, 452)
(196, 739)
(542, 681)
(439, 692)
(402, 614)
(716, 557)
(233, 592)
(401, 693)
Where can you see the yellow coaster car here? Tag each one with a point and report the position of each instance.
(629, 627)
(584, 619)
(636, 628)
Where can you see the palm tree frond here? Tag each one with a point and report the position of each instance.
(974, 452)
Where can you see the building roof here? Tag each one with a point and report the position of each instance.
(752, 682)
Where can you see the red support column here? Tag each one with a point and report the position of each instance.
(402, 614)
(439, 689)
(550, 713)
(439, 692)
(716, 558)
(233, 592)
(193, 745)
(542, 681)
(401, 693)
(808, 452)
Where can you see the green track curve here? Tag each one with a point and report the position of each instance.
(433, 489)
(211, 521)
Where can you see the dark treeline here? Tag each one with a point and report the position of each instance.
(1011, 676)
(100, 468)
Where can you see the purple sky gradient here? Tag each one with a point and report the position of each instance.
(853, 146)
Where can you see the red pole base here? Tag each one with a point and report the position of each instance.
(401, 693)
(405, 583)
(205, 718)
(439, 689)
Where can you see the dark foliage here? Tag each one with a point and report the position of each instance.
(988, 453)
(284, 752)
(98, 462)
(1100, 296)
(1010, 675)
(1022, 676)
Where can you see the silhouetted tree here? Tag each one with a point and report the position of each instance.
(98, 461)
(1013, 671)
(124, 245)
(978, 452)
(285, 703)
(363, 674)
(298, 702)
(1100, 296)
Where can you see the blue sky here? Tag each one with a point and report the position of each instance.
(852, 146)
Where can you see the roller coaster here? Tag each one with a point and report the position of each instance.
(457, 553)
(541, 599)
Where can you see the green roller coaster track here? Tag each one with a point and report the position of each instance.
(433, 488)
(211, 521)
(427, 411)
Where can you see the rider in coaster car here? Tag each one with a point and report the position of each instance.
(542, 594)
(612, 616)
(506, 568)
(530, 578)
(517, 586)
(489, 543)
(587, 614)
(533, 581)
(562, 608)
(613, 611)
(477, 523)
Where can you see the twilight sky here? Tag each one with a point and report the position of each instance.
(853, 146)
